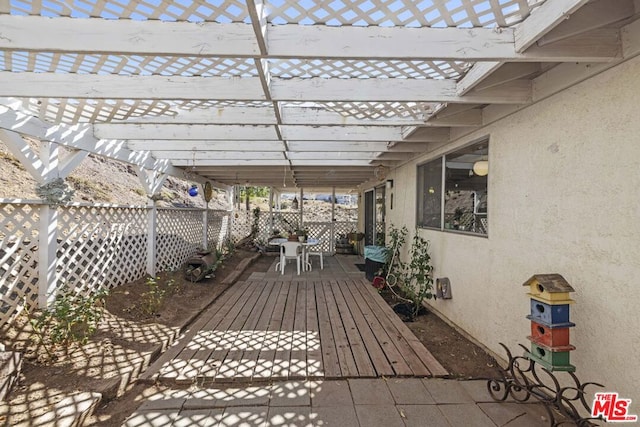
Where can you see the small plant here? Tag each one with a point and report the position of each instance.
(418, 280)
(72, 318)
(152, 299)
(413, 278)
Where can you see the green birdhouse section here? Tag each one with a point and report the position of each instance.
(550, 359)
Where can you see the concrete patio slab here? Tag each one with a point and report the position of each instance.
(338, 416)
(151, 419)
(289, 416)
(409, 391)
(330, 393)
(447, 391)
(466, 414)
(290, 393)
(370, 392)
(199, 417)
(237, 416)
(422, 415)
(379, 416)
(503, 413)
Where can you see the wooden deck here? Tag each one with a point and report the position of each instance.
(263, 330)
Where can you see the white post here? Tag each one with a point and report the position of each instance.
(48, 232)
(152, 222)
(301, 203)
(205, 228)
(270, 210)
(47, 257)
(332, 229)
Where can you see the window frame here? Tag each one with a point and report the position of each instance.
(420, 185)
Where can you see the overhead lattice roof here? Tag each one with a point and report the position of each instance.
(311, 93)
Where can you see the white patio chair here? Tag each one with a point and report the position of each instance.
(311, 252)
(290, 250)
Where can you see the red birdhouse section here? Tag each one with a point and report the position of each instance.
(549, 337)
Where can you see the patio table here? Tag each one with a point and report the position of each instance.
(306, 266)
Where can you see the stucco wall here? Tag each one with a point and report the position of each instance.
(564, 197)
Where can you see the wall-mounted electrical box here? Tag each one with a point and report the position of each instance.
(443, 288)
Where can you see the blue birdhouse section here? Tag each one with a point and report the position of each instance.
(555, 316)
(193, 191)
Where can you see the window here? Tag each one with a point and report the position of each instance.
(461, 204)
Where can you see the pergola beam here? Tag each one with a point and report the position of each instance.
(236, 40)
(266, 116)
(544, 19)
(183, 134)
(250, 88)
(80, 137)
(127, 37)
(591, 16)
(267, 146)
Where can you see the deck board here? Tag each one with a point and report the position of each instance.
(267, 330)
(358, 349)
(327, 341)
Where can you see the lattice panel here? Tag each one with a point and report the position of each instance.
(322, 231)
(218, 230)
(184, 10)
(179, 235)
(18, 258)
(73, 111)
(344, 227)
(240, 225)
(101, 247)
(358, 68)
(80, 63)
(286, 221)
(406, 13)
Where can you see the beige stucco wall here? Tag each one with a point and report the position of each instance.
(564, 197)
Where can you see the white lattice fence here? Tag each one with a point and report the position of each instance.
(344, 227)
(100, 247)
(218, 228)
(286, 221)
(240, 225)
(179, 234)
(18, 258)
(323, 232)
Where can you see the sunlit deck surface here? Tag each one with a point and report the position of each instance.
(328, 323)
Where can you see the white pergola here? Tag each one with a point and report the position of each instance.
(286, 93)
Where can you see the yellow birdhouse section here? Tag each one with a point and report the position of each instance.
(549, 288)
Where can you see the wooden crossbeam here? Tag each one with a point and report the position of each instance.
(236, 40)
(250, 88)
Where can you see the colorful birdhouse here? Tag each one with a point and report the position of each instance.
(549, 288)
(550, 304)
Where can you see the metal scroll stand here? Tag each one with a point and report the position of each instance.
(524, 379)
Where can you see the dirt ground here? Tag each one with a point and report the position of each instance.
(461, 357)
(128, 333)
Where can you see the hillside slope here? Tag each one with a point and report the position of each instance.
(99, 180)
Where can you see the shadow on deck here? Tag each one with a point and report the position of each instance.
(325, 323)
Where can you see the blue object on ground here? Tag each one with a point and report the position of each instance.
(375, 253)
